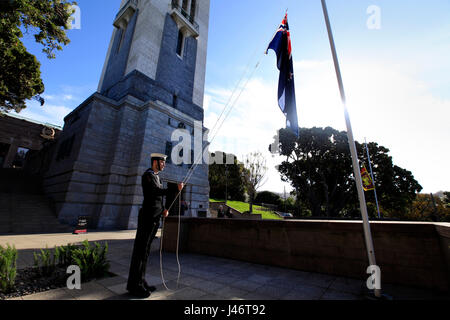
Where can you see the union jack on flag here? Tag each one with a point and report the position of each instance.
(281, 44)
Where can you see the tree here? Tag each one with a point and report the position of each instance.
(20, 76)
(319, 167)
(268, 198)
(226, 178)
(255, 165)
(287, 205)
(446, 199)
(423, 209)
(396, 187)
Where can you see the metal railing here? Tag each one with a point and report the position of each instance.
(183, 12)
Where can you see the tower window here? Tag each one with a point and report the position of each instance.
(175, 101)
(192, 12)
(122, 37)
(169, 147)
(185, 5)
(180, 43)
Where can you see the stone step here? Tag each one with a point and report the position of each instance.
(23, 206)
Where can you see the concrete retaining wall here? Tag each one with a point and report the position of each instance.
(413, 254)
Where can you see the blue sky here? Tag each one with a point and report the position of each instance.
(396, 77)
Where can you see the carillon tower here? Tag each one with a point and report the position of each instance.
(152, 83)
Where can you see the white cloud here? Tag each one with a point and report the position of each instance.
(399, 112)
(57, 105)
(386, 105)
(250, 126)
(51, 114)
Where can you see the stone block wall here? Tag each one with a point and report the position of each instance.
(412, 254)
(110, 145)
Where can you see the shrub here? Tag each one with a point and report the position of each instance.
(268, 197)
(91, 260)
(8, 268)
(43, 261)
(63, 255)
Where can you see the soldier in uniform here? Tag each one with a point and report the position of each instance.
(148, 224)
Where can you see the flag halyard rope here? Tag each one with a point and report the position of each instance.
(197, 161)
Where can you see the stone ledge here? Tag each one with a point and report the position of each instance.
(322, 246)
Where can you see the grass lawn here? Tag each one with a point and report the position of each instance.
(243, 206)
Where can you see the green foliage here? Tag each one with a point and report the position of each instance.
(226, 179)
(268, 197)
(245, 208)
(63, 255)
(91, 260)
(446, 199)
(44, 261)
(20, 76)
(288, 205)
(254, 174)
(8, 268)
(426, 208)
(319, 167)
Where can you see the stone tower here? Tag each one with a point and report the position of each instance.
(152, 84)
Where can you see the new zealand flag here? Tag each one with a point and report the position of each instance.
(281, 44)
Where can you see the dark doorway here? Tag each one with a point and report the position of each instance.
(178, 203)
(19, 159)
(4, 148)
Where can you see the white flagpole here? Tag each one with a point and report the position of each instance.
(351, 141)
(373, 180)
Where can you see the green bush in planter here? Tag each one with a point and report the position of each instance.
(8, 266)
(91, 260)
(46, 261)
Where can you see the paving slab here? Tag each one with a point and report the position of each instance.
(232, 293)
(207, 286)
(201, 277)
(246, 285)
(106, 282)
(92, 291)
(305, 292)
(57, 294)
(347, 285)
(118, 289)
(187, 293)
(332, 294)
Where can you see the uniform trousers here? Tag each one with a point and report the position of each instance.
(146, 232)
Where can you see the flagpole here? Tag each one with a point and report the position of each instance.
(373, 179)
(351, 141)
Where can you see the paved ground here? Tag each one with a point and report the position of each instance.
(201, 277)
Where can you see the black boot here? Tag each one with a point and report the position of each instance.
(139, 292)
(149, 287)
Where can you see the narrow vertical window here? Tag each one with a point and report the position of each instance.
(122, 37)
(192, 13)
(175, 101)
(180, 43)
(169, 147)
(184, 5)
